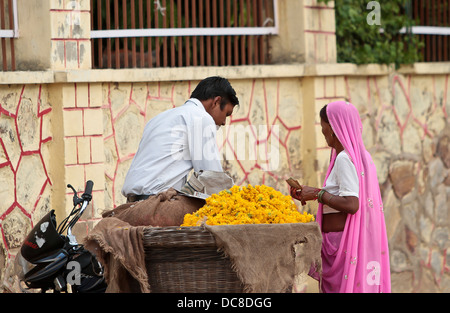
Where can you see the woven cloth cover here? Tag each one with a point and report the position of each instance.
(263, 255)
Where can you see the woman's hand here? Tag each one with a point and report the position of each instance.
(296, 194)
(309, 193)
(348, 205)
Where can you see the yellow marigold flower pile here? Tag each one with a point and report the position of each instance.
(248, 205)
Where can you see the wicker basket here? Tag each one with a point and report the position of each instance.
(185, 259)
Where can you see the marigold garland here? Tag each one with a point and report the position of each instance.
(248, 205)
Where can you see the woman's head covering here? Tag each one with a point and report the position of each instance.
(363, 251)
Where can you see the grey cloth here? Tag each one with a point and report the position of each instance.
(205, 183)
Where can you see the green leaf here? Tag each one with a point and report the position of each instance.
(361, 43)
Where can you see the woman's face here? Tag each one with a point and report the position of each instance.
(327, 132)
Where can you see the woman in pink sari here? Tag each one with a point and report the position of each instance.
(355, 254)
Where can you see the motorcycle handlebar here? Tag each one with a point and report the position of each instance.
(89, 185)
(88, 189)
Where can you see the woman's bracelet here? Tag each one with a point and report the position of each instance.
(319, 195)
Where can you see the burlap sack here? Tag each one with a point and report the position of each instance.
(164, 209)
(117, 239)
(263, 255)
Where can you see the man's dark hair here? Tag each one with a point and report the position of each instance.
(216, 86)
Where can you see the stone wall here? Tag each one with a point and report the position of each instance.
(59, 132)
(61, 122)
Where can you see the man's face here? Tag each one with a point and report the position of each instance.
(219, 115)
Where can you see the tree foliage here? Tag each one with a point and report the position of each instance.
(359, 39)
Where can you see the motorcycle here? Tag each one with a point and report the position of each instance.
(51, 261)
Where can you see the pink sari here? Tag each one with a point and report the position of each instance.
(359, 260)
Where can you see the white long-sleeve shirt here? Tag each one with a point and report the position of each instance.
(173, 143)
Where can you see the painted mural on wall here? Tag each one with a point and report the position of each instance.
(405, 127)
(24, 178)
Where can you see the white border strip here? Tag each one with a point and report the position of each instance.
(427, 30)
(12, 33)
(194, 31)
(173, 32)
(16, 20)
(6, 33)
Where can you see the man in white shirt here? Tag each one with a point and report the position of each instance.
(179, 140)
